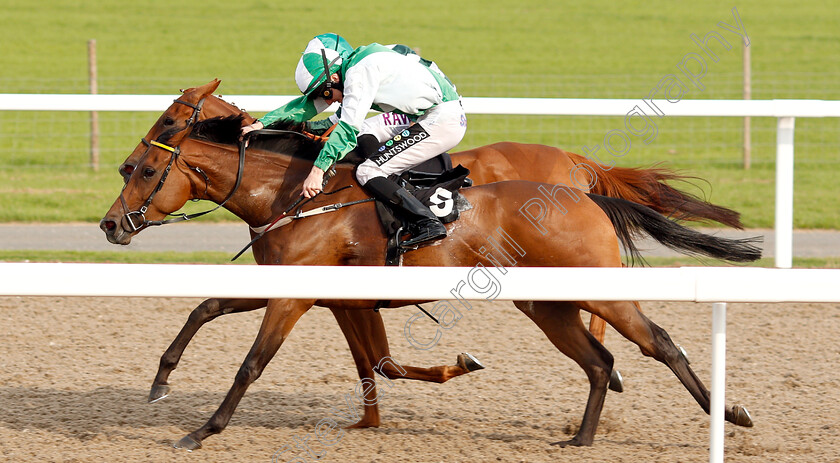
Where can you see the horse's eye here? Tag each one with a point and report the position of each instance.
(148, 172)
(168, 121)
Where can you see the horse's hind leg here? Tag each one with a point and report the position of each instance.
(597, 325)
(464, 363)
(598, 328)
(371, 330)
(655, 342)
(205, 312)
(279, 319)
(561, 323)
(368, 342)
(362, 358)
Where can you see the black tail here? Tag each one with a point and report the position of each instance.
(630, 219)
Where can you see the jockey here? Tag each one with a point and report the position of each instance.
(422, 117)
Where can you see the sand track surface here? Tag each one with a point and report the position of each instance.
(75, 374)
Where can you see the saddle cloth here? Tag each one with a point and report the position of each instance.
(440, 192)
(437, 191)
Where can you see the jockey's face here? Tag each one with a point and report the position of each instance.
(337, 95)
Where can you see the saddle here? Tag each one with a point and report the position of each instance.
(436, 184)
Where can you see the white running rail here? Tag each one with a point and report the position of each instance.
(785, 110)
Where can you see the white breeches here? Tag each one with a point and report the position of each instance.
(403, 145)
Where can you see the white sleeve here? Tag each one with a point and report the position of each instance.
(361, 84)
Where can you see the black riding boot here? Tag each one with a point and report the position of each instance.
(424, 224)
(366, 146)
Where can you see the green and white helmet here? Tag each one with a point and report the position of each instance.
(310, 69)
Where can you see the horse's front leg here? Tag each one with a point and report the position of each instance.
(279, 319)
(205, 312)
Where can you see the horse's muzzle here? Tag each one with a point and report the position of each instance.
(114, 232)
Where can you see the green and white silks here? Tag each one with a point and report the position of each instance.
(375, 78)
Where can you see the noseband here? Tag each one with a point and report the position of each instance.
(136, 220)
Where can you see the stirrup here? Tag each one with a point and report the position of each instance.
(426, 236)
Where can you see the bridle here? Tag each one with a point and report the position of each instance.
(136, 220)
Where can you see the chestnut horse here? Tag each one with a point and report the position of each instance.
(365, 330)
(586, 230)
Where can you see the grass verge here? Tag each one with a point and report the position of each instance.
(124, 257)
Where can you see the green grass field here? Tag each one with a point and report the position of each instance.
(490, 48)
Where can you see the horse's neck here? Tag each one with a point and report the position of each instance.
(217, 107)
(270, 182)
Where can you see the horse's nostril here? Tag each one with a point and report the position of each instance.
(108, 225)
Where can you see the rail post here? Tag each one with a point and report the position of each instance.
(718, 391)
(94, 116)
(784, 192)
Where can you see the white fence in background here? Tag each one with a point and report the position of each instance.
(698, 284)
(784, 110)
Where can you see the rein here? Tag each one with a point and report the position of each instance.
(284, 218)
(323, 137)
(279, 222)
(319, 138)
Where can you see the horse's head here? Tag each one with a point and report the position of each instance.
(173, 124)
(157, 182)
(160, 179)
(159, 185)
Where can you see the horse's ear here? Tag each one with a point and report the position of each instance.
(205, 90)
(211, 87)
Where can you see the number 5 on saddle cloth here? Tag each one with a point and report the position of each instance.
(438, 191)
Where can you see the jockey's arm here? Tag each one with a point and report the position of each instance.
(360, 87)
(321, 126)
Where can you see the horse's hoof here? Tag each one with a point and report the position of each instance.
(188, 443)
(616, 381)
(361, 424)
(159, 391)
(573, 442)
(741, 416)
(468, 362)
(684, 354)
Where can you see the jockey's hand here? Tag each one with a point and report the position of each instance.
(257, 125)
(314, 182)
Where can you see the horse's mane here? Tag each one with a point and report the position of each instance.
(225, 130)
